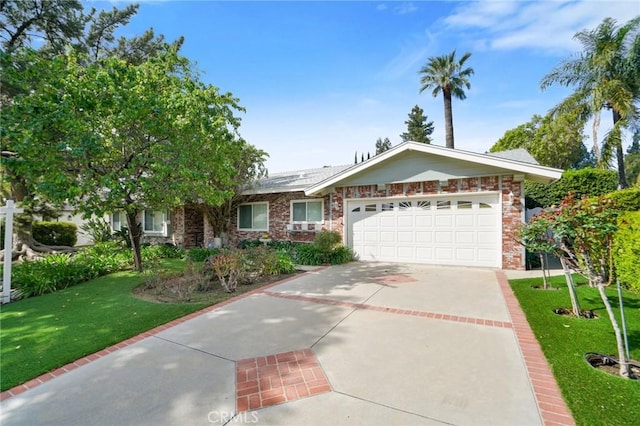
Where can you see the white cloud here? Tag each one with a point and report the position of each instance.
(405, 8)
(546, 25)
(381, 6)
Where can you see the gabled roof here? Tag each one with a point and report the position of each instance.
(297, 180)
(519, 154)
(530, 171)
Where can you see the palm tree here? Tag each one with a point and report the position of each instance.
(606, 74)
(445, 74)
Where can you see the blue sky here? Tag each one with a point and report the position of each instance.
(321, 80)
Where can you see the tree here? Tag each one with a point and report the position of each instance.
(115, 136)
(604, 75)
(248, 166)
(382, 145)
(554, 141)
(61, 23)
(444, 74)
(632, 160)
(418, 128)
(581, 233)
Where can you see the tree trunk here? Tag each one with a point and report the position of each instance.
(575, 303)
(622, 177)
(448, 118)
(135, 233)
(623, 362)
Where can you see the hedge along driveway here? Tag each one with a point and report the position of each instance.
(42, 333)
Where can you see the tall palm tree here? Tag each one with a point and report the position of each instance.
(606, 75)
(446, 74)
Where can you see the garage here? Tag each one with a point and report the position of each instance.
(457, 229)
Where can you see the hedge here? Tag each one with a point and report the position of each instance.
(627, 249)
(582, 182)
(626, 200)
(56, 233)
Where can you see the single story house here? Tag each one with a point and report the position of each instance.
(413, 203)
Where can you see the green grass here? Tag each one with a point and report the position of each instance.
(594, 397)
(42, 333)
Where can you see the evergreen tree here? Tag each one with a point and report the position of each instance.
(382, 145)
(418, 128)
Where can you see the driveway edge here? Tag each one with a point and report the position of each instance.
(553, 409)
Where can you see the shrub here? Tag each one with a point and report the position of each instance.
(162, 251)
(179, 286)
(627, 249)
(198, 254)
(308, 254)
(56, 233)
(325, 241)
(626, 200)
(228, 269)
(588, 182)
(98, 229)
(58, 271)
(284, 264)
(340, 255)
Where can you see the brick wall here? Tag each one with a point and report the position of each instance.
(334, 203)
(279, 218)
(512, 252)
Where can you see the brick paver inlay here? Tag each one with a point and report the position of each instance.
(274, 379)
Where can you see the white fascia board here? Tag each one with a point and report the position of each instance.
(532, 171)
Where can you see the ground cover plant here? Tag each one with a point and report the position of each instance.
(594, 397)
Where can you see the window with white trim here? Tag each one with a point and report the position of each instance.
(307, 211)
(253, 217)
(118, 220)
(154, 222)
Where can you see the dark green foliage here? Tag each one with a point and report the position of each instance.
(58, 271)
(198, 254)
(382, 145)
(98, 229)
(627, 249)
(163, 251)
(325, 249)
(56, 233)
(587, 182)
(419, 129)
(325, 241)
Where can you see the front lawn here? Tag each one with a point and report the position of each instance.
(42, 333)
(594, 397)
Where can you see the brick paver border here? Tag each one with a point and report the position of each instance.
(275, 379)
(414, 313)
(553, 409)
(17, 390)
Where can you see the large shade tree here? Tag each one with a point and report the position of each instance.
(115, 136)
(44, 29)
(604, 75)
(552, 141)
(447, 75)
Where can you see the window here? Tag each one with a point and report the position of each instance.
(465, 204)
(387, 207)
(153, 222)
(371, 208)
(253, 217)
(424, 205)
(118, 220)
(307, 211)
(404, 205)
(485, 206)
(443, 205)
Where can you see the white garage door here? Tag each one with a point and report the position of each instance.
(454, 230)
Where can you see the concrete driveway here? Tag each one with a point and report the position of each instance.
(359, 344)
